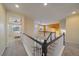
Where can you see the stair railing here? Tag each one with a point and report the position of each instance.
(52, 41)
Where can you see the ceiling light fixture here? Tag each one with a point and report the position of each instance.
(45, 4)
(74, 12)
(16, 5)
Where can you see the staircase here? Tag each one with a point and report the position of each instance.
(54, 49)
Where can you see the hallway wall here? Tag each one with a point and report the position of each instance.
(72, 29)
(28, 25)
(2, 29)
(28, 29)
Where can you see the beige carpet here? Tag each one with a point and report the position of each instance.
(71, 50)
(16, 48)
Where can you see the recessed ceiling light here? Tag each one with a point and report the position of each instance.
(74, 12)
(45, 4)
(16, 5)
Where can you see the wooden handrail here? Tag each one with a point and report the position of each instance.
(54, 40)
(63, 38)
(49, 36)
(48, 42)
(33, 39)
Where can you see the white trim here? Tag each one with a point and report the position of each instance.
(62, 49)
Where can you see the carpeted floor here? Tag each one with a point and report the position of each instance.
(16, 48)
(71, 50)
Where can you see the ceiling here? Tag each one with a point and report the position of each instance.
(44, 14)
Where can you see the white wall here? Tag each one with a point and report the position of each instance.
(63, 23)
(2, 29)
(28, 25)
(28, 29)
(72, 29)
